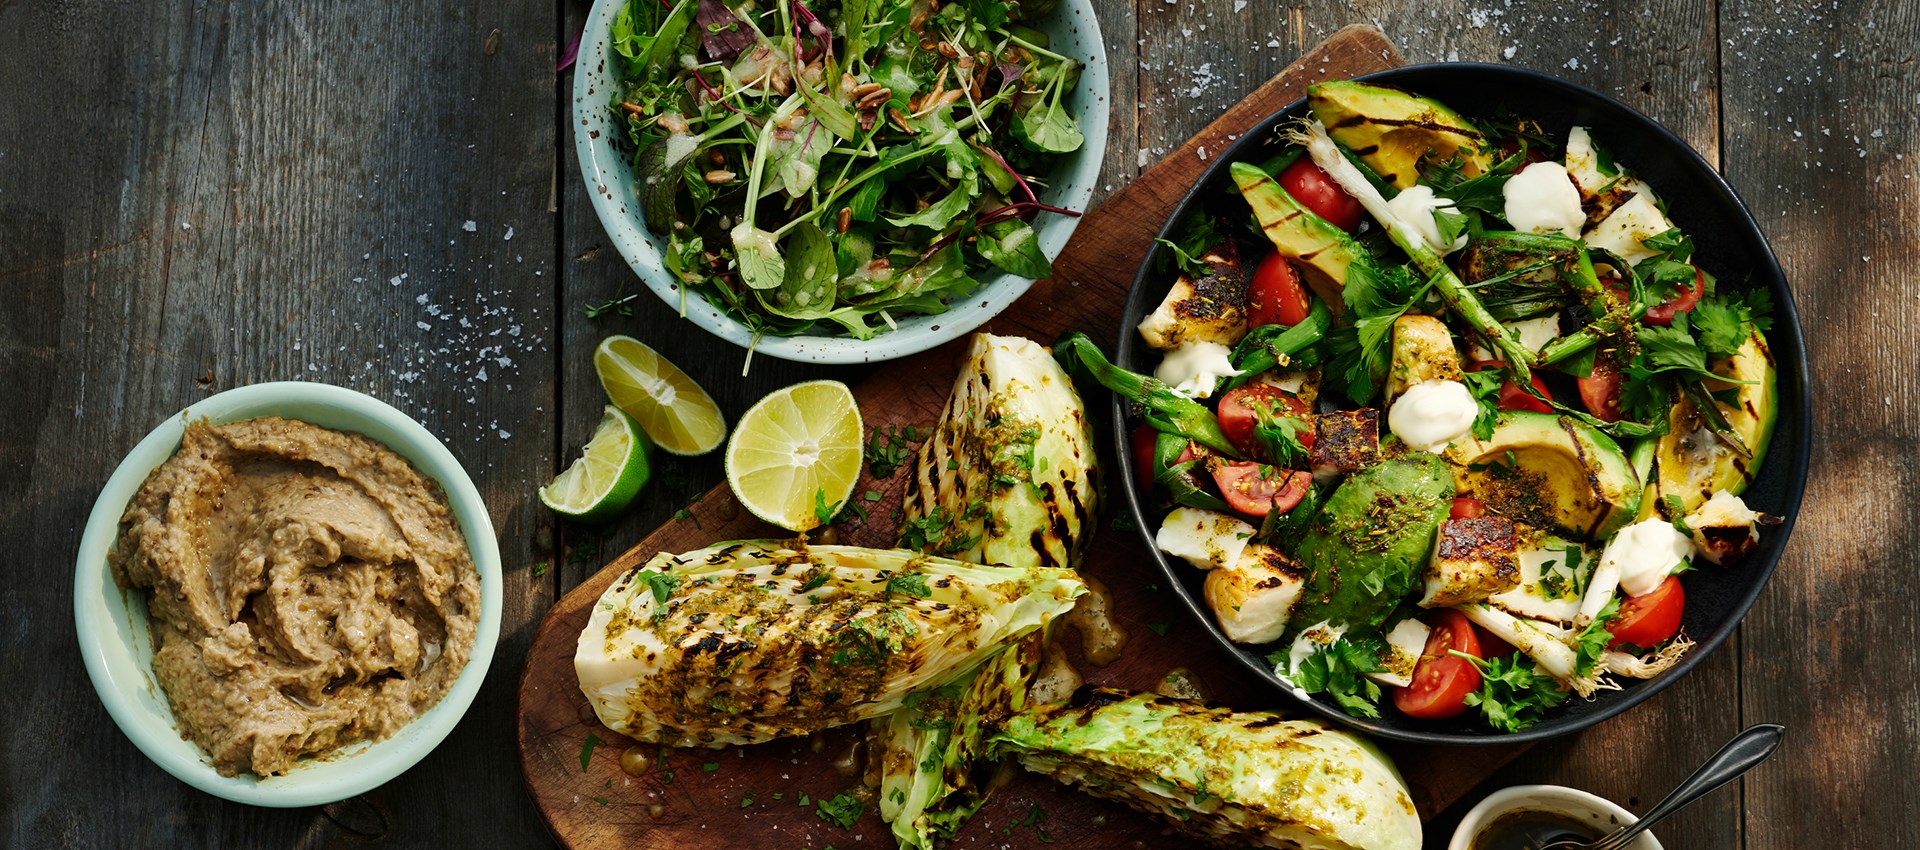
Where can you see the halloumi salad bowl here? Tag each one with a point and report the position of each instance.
(1462, 403)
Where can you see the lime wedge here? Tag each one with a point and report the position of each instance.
(796, 454)
(610, 472)
(673, 410)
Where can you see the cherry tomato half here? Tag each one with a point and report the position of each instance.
(1684, 302)
(1442, 681)
(1256, 489)
(1467, 507)
(1600, 391)
(1649, 619)
(1316, 191)
(1237, 414)
(1276, 297)
(1142, 445)
(1511, 396)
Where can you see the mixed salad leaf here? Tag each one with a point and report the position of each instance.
(830, 167)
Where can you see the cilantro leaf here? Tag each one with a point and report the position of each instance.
(841, 810)
(1513, 693)
(909, 584)
(663, 586)
(1337, 669)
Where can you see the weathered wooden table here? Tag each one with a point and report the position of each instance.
(384, 196)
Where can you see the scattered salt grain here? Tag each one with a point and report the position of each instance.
(470, 226)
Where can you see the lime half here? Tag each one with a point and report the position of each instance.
(673, 410)
(796, 454)
(610, 472)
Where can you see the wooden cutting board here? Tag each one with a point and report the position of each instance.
(750, 797)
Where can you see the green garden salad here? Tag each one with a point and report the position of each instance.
(827, 168)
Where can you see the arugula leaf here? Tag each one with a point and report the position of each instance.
(1513, 693)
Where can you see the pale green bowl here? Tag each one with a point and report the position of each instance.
(112, 623)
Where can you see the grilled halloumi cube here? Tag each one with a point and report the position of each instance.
(1203, 538)
(1422, 351)
(1600, 193)
(1252, 598)
(1472, 559)
(1009, 475)
(1725, 530)
(1629, 226)
(1345, 441)
(1405, 641)
(1211, 308)
(1552, 571)
(1304, 386)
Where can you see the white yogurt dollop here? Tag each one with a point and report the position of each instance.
(1195, 368)
(1416, 205)
(1645, 553)
(1431, 414)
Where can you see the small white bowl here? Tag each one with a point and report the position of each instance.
(112, 623)
(609, 180)
(1598, 812)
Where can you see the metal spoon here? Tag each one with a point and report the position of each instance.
(1745, 752)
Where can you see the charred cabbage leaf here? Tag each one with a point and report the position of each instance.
(1237, 778)
(1009, 475)
(754, 640)
(931, 755)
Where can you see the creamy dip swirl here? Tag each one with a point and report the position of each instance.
(310, 588)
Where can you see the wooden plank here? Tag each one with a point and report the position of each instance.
(1820, 112)
(193, 198)
(586, 808)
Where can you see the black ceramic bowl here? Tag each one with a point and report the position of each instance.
(1729, 243)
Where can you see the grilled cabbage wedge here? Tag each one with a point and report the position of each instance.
(931, 755)
(1237, 778)
(1008, 476)
(749, 641)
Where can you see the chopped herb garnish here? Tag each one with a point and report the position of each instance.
(586, 750)
(842, 810)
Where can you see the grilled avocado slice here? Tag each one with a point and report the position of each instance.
(1323, 250)
(1549, 471)
(1367, 548)
(1693, 462)
(1394, 132)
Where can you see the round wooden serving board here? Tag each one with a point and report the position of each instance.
(752, 797)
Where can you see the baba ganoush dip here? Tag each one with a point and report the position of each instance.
(310, 588)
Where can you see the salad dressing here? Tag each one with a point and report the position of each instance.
(1101, 639)
(1530, 829)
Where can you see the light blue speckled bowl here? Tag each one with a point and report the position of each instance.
(112, 623)
(609, 175)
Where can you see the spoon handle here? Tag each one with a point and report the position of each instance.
(1746, 751)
